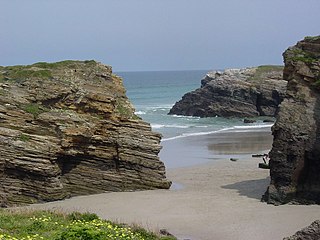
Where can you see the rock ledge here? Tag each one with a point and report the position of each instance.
(245, 92)
(295, 155)
(68, 129)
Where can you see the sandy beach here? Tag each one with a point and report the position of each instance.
(211, 198)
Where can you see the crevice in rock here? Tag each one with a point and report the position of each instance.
(258, 104)
(53, 101)
(116, 158)
(67, 163)
(309, 180)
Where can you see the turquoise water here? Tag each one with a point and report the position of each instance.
(154, 93)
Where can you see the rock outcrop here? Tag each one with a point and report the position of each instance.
(311, 232)
(68, 129)
(245, 92)
(295, 155)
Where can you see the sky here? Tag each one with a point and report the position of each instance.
(148, 35)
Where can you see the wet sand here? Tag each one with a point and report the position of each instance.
(195, 150)
(212, 197)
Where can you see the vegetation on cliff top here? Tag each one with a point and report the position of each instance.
(65, 71)
(263, 70)
(311, 59)
(303, 56)
(312, 38)
(36, 225)
(40, 70)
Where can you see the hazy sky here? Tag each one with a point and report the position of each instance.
(134, 35)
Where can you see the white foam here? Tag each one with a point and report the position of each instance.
(187, 117)
(157, 126)
(166, 106)
(253, 126)
(140, 113)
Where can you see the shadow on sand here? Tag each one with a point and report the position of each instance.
(251, 188)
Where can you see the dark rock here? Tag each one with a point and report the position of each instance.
(65, 133)
(164, 232)
(263, 166)
(295, 155)
(311, 232)
(268, 121)
(246, 92)
(246, 120)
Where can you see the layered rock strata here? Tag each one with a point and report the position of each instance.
(245, 92)
(311, 232)
(68, 129)
(295, 155)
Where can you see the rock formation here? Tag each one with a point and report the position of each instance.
(68, 129)
(295, 155)
(311, 232)
(245, 92)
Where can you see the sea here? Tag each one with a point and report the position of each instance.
(153, 93)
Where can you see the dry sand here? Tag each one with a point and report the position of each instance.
(219, 199)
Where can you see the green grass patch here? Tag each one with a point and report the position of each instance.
(126, 112)
(57, 226)
(21, 73)
(40, 70)
(302, 56)
(123, 109)
(264, 70)
(312, 38)
(269, 68)
(35, 109)
(62, 64)
(24, 138)
(45, 65)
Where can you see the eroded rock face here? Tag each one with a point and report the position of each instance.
(245, 92)
(68, 129)
(311, 232)
(295, 155)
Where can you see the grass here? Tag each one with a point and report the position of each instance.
(312, 38)
(21, 73)
(302, 56)
(24, 138)
(34, 109)
(48, 225)
(127, 113)
(63, 64)
(124, 110)
(261, 70)
(40, 70)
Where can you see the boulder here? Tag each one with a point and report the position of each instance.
(311, 232)
(246, 120)
(68, 129)
(295, 155)
(245, 92)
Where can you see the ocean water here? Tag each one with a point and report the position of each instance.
(154, 93)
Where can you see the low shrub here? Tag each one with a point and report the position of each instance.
(36, 225)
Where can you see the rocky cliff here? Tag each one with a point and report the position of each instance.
(311, 232)
(66, 129)
(245, 92)
(295, 155)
